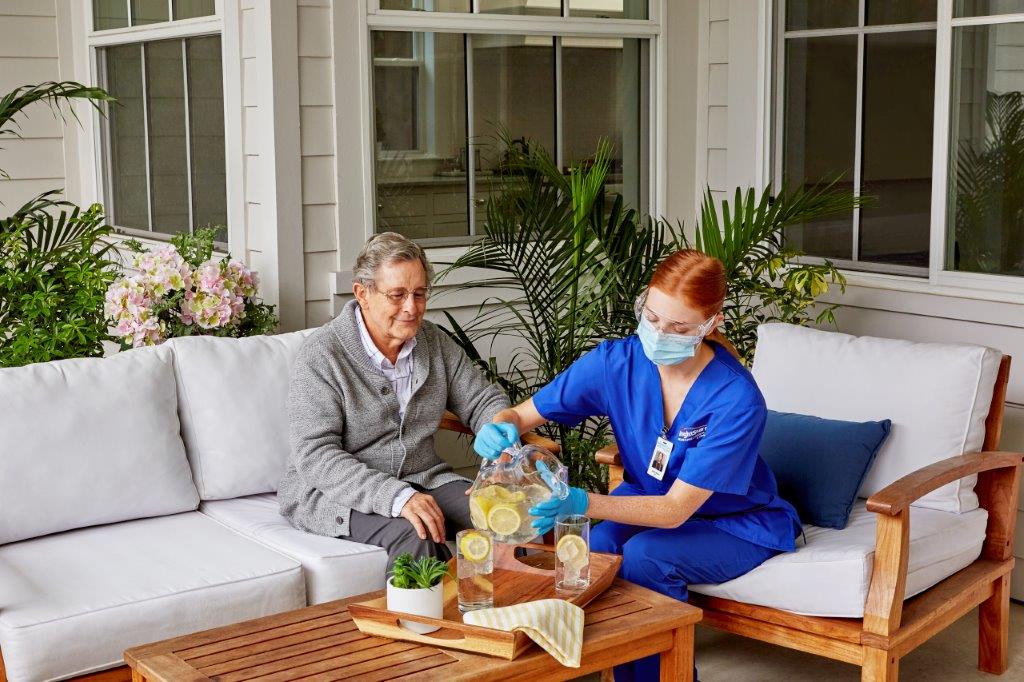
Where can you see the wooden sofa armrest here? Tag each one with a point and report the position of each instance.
(609, 455)
(998, 489)
(899, 495)
(451, 422)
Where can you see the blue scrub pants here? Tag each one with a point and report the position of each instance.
(668, 560)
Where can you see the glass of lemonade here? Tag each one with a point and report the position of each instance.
(475, 551)
(572, 553)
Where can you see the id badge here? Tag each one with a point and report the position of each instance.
(659, 458)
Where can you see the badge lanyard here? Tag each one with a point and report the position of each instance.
(659, 458)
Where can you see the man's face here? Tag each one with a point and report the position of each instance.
(386, 312)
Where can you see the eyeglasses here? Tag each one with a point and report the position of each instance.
(396, 297)
(681, 328)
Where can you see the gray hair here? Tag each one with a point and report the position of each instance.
(384, 248)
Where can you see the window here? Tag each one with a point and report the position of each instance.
(870, 91)
(163, 152)
(442, 99)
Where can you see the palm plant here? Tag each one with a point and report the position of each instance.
(54, 262)
(576, 265)
(990, 191)
(768, 282)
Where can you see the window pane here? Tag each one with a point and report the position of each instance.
(601, 98)
(125, 139)
(420, 118)
(393, 44)
(610, 9)
(206, 128)
(978, 8)
(148, 11)
(108, 14)
(547, 8)
(986, 174)
(899, 77)
(900, 11)
(168, 166)
(819, 130)
(397, 93)
(427, 5)
(187, 9)
(808, 14)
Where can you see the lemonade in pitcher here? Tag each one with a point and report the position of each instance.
(506, 489)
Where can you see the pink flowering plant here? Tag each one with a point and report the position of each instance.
(181, 290)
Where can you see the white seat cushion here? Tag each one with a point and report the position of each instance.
(937, 396)
(830, 575)
(334, 568)
(232, 395)
(90, 441)
(82, 597)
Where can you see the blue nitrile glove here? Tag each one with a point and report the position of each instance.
(493, 438)
(550, 510)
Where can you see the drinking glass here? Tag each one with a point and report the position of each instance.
(475, 552)
(572, 554)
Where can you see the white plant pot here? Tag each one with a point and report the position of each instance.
(421, 602)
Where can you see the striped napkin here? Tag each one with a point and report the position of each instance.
(554, 624)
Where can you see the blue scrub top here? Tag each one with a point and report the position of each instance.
(715, 435)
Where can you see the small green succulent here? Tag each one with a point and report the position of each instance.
(423, 573)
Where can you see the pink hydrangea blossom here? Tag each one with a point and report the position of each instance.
(164, 270)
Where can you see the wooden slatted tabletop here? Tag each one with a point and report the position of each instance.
(625, 623)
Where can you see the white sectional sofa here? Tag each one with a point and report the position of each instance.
(137, 503)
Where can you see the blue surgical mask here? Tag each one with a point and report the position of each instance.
(665, 349)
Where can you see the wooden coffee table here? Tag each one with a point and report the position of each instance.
(624, 624)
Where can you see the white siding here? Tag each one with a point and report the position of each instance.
(252, 133)
(316, 110)
(28, 55)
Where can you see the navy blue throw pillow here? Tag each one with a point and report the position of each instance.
(819, 464)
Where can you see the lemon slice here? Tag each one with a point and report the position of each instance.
(475, 546)
(478, 506)
(572, 550)
(504, 519)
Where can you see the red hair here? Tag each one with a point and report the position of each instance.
(699, 281)
(696, 278)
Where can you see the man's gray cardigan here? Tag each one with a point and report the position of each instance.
(350, 448)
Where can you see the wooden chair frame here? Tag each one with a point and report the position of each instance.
(449, 422)
(892, 626)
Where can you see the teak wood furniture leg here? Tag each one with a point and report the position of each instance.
(677, 662)
(994, 628)
(879, 666)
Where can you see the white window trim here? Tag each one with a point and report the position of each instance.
(506, 24)
(225, 23)
(963, 285)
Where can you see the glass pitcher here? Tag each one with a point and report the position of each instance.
(507, 487)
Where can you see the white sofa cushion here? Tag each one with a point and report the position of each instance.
(830, 575)
(334, 568)
(93, 593)
(232, 395)
(937, 396)
(90, 441)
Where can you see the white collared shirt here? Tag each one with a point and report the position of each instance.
(399, 375)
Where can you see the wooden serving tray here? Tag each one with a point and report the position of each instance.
(516, 580)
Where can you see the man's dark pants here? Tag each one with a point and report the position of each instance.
(398, 536)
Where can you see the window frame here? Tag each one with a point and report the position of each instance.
(173, 29)
(557, 27)
(935, 278)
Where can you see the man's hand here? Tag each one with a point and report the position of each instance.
(423, 513)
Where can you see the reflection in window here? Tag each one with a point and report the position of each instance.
(810, 14)
(606, 78)
(896, 168)
(608, 9)
(820, 133)
(985, 218)
(419, 99)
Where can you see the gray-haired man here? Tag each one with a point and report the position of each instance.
(367, 394)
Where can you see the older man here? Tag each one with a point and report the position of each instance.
(367, 394)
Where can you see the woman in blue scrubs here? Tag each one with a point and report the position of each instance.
(698, 504)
